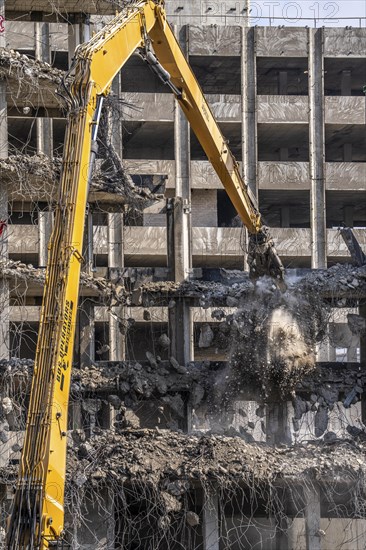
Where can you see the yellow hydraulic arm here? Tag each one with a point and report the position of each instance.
(37, 516)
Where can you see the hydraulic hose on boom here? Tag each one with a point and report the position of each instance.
(37, 515)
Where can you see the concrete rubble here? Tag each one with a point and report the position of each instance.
(157, 438)
(16, 65)
(110, 294)
(154, 454)
(338, 282)
(35, 177)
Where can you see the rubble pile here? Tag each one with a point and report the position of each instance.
(341, 280)
(109, 293)
(159, 455)
(20, 67)
(337, 282)
(36, 177)
(121, 184)
(31, 177)
(139, 380)
(209, 294)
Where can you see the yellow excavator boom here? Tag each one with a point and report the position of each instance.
(37, 515)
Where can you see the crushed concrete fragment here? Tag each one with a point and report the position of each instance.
(164, 341)
(192, 519)
(206, 336)
(176, 366)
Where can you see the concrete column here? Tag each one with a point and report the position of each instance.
(277, 423)
(43, 53)
(211, 535)
(115, 240)
(249, 109)
(87, 333)
(312, 518)
(44, 233)
(180, 318)
(73, 39)
(78, 32)
(84, 28)
(362, 312)
(117, 340)
(89, 242)
(182, 236)
(4, 286)
(317, 149)
(116, 260)
(249, 115)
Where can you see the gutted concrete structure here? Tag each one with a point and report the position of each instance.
(184, 432)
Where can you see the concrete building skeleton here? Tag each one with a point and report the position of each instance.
(159, 281)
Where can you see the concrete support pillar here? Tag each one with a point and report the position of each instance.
(317, 149)
(89, 242)
(4, 286)
(249, 115)
(277, 423)
(326, 352)
(179, 232)
(312, 518)
(211, 534)
(362, 312)
(43, 53)
(78, 32)
(116, 260)
(87, 333)
(115, 240)
(117, 342)
(249, 109)
(44, 233)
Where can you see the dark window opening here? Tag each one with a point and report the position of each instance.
(227, 216)
(277, 76)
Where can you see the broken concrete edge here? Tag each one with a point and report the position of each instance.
(340, 281)
(326, 385)
(33, 177)
(110, 294)
(20, 67)
(176, 462)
